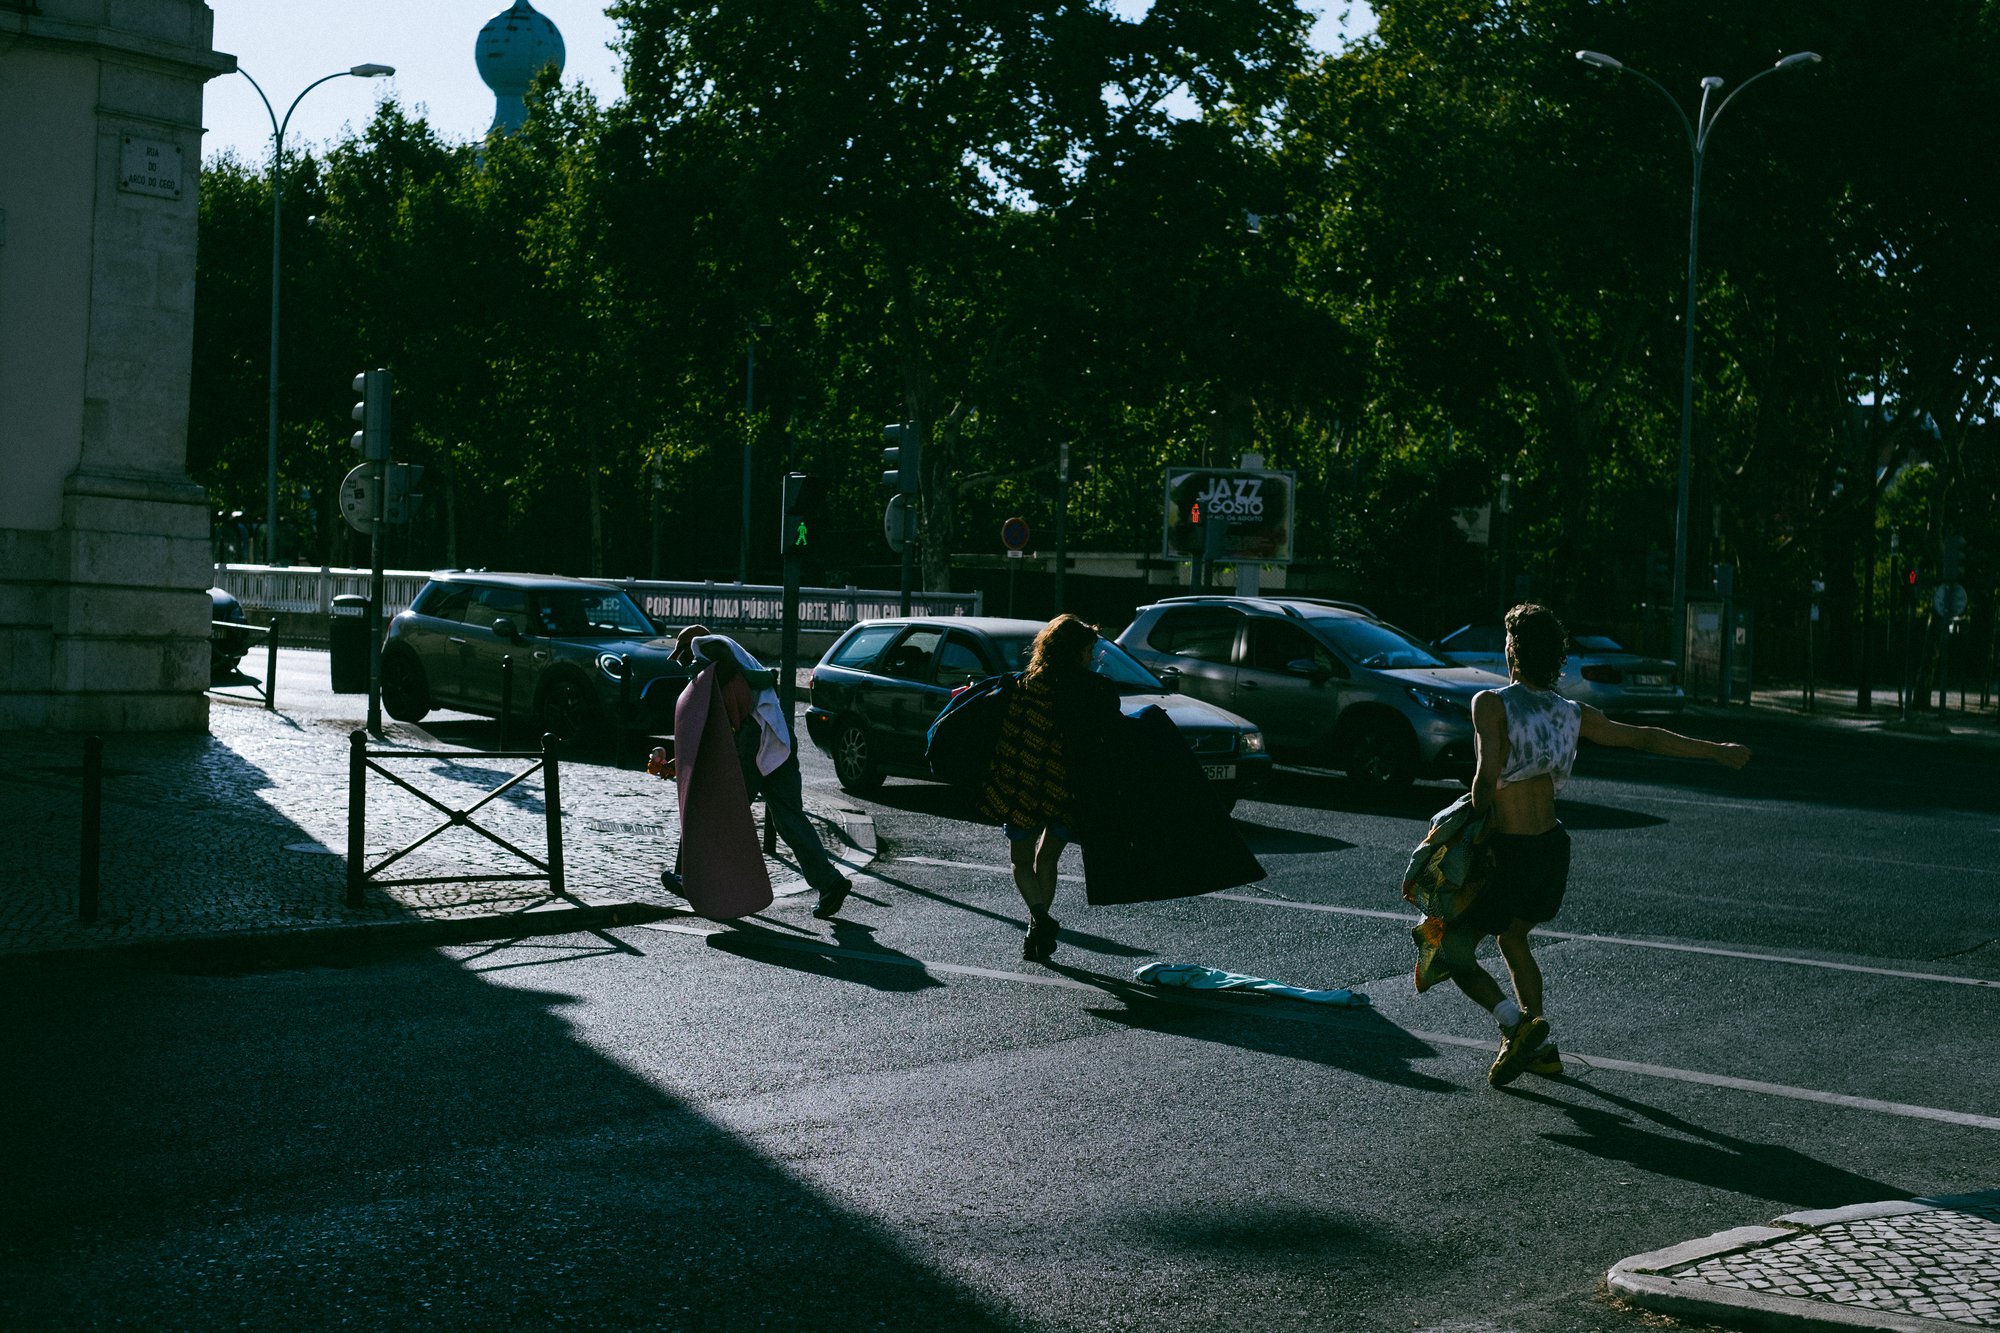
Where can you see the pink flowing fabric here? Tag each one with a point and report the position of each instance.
(722, 868)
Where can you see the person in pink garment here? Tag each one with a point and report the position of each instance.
(766, 755)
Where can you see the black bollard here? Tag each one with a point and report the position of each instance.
(552, 811)
(357, 814)
(621, 736)
(93, 823)
(271, 667)
(506, 696)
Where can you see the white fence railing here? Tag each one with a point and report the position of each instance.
(292, 590)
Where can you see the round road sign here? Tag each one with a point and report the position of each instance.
(1014, 534)
(1950, 599)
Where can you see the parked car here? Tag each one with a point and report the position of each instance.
(572, 643)
(225, 646)
(1326, 682)
(1600, 672)
(874, 695)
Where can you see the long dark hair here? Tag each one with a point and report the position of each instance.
(1059, 645)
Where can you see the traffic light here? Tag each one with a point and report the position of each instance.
(372, 440)
(1953, 564)
(400, 501)
(1910, 585)
(805, 499)
(902, 456)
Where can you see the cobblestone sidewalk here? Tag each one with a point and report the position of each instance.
(244, 832)
(1925, 1264)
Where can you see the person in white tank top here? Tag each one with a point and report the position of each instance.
(1526, 736)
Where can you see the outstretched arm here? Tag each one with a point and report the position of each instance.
(1601, 730)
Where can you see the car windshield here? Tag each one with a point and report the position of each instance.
(1107, 659)
(1596, 643)
(589, 613)
(1375, 644)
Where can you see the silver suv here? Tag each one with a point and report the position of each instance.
(1326, 682)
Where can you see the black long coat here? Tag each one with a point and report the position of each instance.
(1151, 827)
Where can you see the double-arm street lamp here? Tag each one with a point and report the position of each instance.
(277, 238)
(1698, 131)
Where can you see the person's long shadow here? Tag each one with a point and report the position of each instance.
(1360, 1041)
(1703, 1156)
(856, 956)
(1068, 935)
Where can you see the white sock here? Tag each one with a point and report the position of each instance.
(1507, 1014)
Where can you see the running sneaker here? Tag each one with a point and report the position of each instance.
(1547, 1061)
(1523, 1040)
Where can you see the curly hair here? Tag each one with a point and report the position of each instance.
(1059, 645)
(1540, 643)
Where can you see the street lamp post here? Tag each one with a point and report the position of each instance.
(1698, 131)
(277, 237)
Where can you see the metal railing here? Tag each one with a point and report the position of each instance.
(361, 760)
(299, 590)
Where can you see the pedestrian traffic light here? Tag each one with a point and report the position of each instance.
(1953, 564)
(1910, 585)
(805, 499)
(372, 440)
(901, 458)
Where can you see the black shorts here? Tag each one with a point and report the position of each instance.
(1530, 872)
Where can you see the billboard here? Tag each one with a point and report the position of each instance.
(1228, 514)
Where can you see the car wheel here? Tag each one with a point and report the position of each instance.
(405, 691)
(1381, 754)
(567, 711)
(854, 759)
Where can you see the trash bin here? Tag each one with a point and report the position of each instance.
(347, 638)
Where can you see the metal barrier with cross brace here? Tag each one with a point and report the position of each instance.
(361, 759)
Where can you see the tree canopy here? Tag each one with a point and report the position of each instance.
(1159, 235)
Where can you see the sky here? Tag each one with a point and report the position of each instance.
(286, 44)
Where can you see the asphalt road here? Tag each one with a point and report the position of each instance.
(1761, 988)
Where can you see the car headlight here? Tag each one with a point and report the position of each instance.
(1251, 742)
(1447, 705)
(612, 665)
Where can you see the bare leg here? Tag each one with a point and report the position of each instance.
(1522, 967)
(1048, 855)
(1480, 988)
(1021, 857)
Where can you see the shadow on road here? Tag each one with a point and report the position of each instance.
(399, 1145)
(1687, 1151)
(1079, 938)
(1360, 1041)
(883, 968)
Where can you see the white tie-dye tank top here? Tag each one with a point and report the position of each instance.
(1542, 731)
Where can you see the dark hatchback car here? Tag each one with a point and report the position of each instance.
(585, 657)
(875, 694)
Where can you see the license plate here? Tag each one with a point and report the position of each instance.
(1218, 772)
(1653, 681)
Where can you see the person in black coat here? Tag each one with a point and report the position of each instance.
(1055, 725)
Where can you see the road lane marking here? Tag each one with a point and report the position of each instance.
(1408, 919)
(1256, 1008)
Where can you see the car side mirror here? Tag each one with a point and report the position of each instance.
(1315, 671)
(506, 629)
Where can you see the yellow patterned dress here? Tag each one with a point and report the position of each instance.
(1027, 784)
